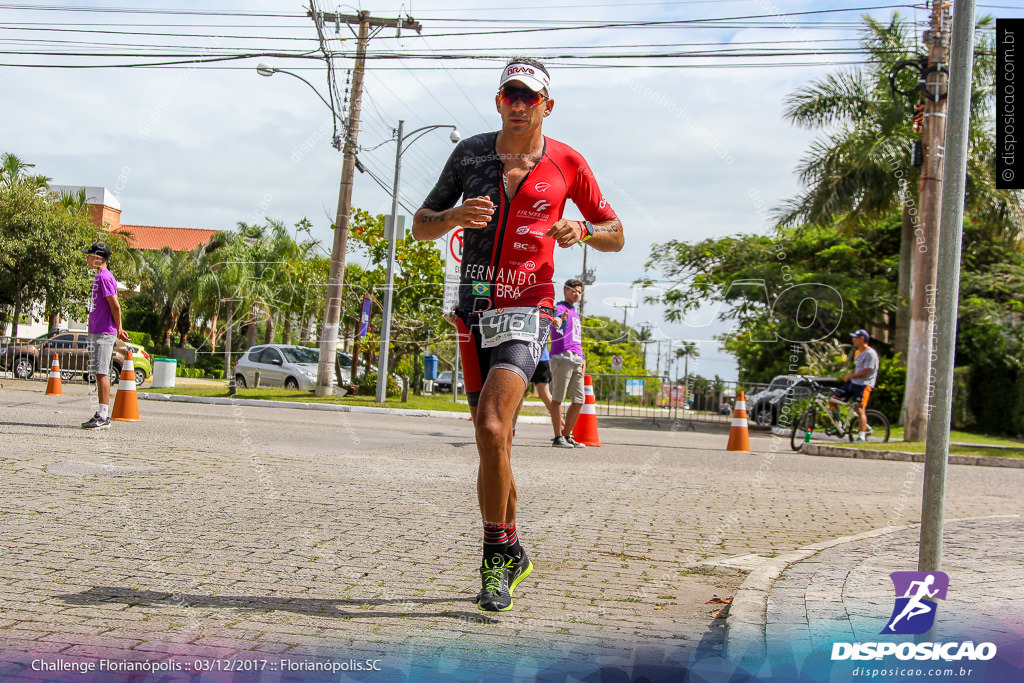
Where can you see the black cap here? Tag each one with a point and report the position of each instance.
(100, 249)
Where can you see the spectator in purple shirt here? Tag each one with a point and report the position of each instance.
(567, 366)
(104, 328)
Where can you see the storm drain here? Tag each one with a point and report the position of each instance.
(87, 469)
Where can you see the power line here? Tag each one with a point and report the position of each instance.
(139, 10)
(193, 64)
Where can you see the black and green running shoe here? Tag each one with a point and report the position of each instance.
(518, 569)
(495, 596)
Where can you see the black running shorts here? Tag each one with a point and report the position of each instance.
(520, 357)
(542, 375)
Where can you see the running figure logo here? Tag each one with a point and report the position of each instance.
(916, 593)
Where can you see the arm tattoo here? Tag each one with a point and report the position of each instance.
(435, 218)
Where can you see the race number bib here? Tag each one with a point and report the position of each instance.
(509, 324)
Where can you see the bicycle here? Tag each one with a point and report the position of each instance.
(818, 417)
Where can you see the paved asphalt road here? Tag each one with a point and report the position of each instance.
(218, 530)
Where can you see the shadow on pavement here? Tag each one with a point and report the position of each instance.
(308, 606)
(44, 425)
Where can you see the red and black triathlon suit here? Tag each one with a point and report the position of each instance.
(509, 263)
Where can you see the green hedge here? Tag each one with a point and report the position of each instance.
(368, 385)
(996, 398)
(143, 339)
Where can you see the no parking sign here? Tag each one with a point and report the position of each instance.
(452, 270)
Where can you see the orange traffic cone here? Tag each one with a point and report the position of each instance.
(585, 430)
(126, 402)
(53, 379)
(739, 439)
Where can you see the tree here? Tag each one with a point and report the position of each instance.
(416, 320)
(791, 288)
(604, 338)
(40, 245)
(168, 280)
(863, 170)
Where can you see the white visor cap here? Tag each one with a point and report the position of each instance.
(535, 79)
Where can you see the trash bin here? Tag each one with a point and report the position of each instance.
(430, 368)
(164, 372)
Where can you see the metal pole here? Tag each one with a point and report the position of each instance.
(455, 372)
(944, 295)
(584, 276)
(385, 326)
(229, 372)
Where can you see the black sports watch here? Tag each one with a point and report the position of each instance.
(588, 231)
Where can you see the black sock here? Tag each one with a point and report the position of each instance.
(495, 540)
(514, 548)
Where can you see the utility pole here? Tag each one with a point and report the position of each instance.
(336, 277)
(926, 246)
(626, 308)
(937, 451)
(586, 277)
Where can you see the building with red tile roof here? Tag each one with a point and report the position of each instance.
(178, 239)
(106, 213)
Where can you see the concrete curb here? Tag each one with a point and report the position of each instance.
(295, 405)
(903, 456)
(746, 627)
(748, 614)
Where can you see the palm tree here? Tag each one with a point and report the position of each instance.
(862, 171)
(645, 336)
(14, 171)
(222, 288)
(260, 246)
(685, 352)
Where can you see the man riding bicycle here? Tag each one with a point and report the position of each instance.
(857, 385)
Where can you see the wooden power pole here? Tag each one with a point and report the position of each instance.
(926, 243)
(336, 277)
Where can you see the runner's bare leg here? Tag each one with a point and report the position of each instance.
(493, 419)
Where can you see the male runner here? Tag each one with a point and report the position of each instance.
(513, 185)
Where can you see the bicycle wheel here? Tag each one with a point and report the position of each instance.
(878, 426)
(802, 426)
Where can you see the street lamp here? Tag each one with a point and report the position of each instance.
(385, 328)
(332, 311)
(264, 69)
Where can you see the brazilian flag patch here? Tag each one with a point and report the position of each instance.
(481, 289)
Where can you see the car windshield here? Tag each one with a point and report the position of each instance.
(445, 374)
(301, 354)
(44, 337)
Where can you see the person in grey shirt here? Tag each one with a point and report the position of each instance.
(858, 384)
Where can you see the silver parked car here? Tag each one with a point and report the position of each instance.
(279, 365)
